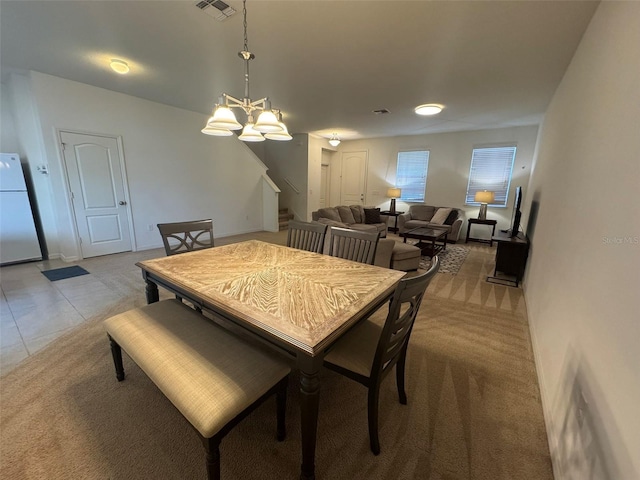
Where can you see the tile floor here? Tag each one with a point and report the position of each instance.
(34, 311)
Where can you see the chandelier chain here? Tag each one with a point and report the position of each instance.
(244, 15)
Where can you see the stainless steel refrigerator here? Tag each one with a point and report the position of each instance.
(18, 234)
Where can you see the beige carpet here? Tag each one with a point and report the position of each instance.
(474, 413)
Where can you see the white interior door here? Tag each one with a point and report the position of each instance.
(324, 186)
(354, 178)
(94, 168)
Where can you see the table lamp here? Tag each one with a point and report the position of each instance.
(393, 193)
(483, 198)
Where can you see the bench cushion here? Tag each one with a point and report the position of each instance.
(209, 374)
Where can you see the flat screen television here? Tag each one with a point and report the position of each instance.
(515, 217)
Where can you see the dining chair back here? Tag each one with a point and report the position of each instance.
(353, 245)
(306, 236)
(181, 237)
(369, 351)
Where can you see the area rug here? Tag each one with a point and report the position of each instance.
(64, 273)
(451, 259)
(473, 413)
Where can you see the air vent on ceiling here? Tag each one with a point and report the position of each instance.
(216, 9)
(382, 111)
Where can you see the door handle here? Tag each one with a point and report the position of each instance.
(122, 202)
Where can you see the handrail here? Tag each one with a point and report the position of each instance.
(293, 187)
(270, 182)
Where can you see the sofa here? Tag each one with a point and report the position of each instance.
(428, 216)
(355, 217)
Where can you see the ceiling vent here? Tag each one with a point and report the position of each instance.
(382, 111)
(216, 9)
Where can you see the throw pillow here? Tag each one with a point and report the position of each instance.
(358, 213)
(440, 216)
(421, 212)
(329, 212)
(372, 215)
(345, 215)
(453, 216)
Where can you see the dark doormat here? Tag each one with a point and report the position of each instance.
(65, 272)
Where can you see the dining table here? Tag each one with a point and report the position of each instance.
(297, 302)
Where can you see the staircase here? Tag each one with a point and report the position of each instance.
(283, 218)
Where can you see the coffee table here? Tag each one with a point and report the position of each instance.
(428, 239)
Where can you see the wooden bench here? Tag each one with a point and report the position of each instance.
(211, 376)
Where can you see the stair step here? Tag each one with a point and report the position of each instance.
(283, 218)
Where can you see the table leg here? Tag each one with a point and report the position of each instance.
(309, 403)
(151, 290)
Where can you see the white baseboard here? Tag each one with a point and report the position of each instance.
(75, 258)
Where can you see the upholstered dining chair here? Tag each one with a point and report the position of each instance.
(306, 236)
(353, 245)
(181, 237)
(368, 352)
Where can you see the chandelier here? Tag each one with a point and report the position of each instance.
(269, 121)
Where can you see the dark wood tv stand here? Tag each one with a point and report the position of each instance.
(511, 258)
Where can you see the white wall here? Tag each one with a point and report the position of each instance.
(174, 171)
(449, 162)
(583, 281)
(8, 135)
(289, 160)
(31, 149)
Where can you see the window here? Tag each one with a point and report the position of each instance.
(491, 169)
(411, 174)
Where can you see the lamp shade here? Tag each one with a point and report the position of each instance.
(217, 132)
(249, 134)
(393, 192)
(224, 118)
(484, 197)
(267, 122)
(281, 136)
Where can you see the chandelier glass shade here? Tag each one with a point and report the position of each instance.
(282, 135)
(217, 132)
(223, 118)
(269, 120)
(334, 141)
(249, 133)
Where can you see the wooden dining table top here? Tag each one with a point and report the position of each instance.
(303, 299)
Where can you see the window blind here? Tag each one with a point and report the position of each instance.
(491, 170)
(411, 174)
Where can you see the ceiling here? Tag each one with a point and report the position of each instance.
(326, 64)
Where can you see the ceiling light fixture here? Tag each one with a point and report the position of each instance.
(269, 121)
(334, 141)
(429, 109)
(119, 66)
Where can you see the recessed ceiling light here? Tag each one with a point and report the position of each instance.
(119, 66)
(429, 109)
